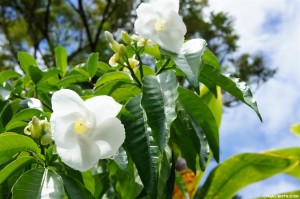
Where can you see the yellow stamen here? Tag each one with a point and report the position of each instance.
(159, 26)
(80, 127)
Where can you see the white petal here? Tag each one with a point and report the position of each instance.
(109, 136)
(82, 157)
(193, 46)
(63, 130)
(146, 12)
(166, 5)
(66, 101)
(103, 107)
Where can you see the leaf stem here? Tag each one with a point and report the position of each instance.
(163, 66)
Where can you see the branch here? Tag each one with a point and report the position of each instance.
(85, 22)
(104, 18)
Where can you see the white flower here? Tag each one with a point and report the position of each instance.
(85, 131)
(141, 41)
(160, 22)
(133, 63)
(113, 61)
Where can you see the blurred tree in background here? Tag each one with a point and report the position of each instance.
(41, 25)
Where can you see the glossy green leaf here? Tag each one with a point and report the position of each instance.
(61, 59)
(202, 119)
(232, 85)
(4, 93)
(75, 189)
(35, 74)
(92, 64)
(296, 129)
(121, 159)
(241, 170)
(14, 166)
(25, 114)
(101, 184)
(159, 102)
(12, 143)
(189, 60)
(113, 76)
(89, 180)
(26, 60)
(214, 103)
(191, 144)
(289, 153)
(121, 91)
(140, 145)
(39, 183)
(210, 59)
(7, 111)
(181, 185)
(7, 75)
(164, 173)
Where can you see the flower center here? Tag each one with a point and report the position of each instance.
(159, 26)
(80, 127)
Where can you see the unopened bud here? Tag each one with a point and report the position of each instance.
(123, 49)
(115, 46)
(126, 38)
(35, 128)
(109, 37)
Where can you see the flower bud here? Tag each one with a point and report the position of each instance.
(34, 128)
(126, 38)
(115, 46)
(123, 50)
(109, 37)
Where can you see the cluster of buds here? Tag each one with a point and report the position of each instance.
(120, 57)
(39, 129)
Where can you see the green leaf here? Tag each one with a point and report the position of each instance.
(159, 102)
(14, 166)
(181, 185)
(26, 60)
(296, 129)
(4, 93)
(12, 143)
(7, 75)
(25, 114)
(202, 119)
(38, 183)
(92, 64)
(232, 85)
(121, 159)
(214, 103)
(121, 91)
(75, 189)
(140, 145)
(241, 170)
(113, 76)
(210, 59)
(190, 144)
(7, 111)
(189, 60)
(101, 184)
(61, 59)
(35, 73)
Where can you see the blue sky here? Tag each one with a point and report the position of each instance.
(271, 27)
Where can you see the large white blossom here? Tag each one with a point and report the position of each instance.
(160, 22)
(85, 131)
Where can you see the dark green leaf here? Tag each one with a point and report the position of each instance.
(232, 85)
(101, 184)
(75, 189)
(38, 183)
(164, 173)
(92, 64)
(241, 170)
(14, 166)
(7, 111)
(140, 145)
(159, 102)
(26, 60)
(121, 159)
(189, 60)
(12, 143)
(202, 119)
(61, 59)
(35, 73)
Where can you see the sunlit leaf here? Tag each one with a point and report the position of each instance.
(14, 166)
(12, 143)
(159, 102)
(61, 59)
(113, 76)
(7, 75)
(241, 170)
(92, 64)
(26, 60)
(296, 129)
